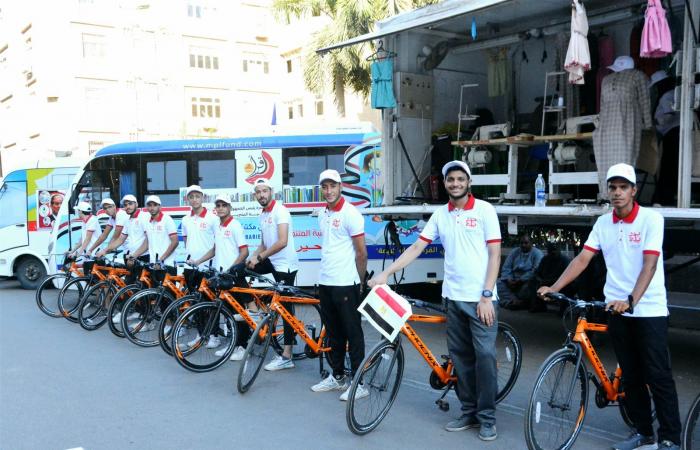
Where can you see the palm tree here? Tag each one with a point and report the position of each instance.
(346, 67)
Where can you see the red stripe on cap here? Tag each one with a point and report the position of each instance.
(389, 300)
(590, 249)
(651, 252)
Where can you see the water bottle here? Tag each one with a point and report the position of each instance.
(540, 191)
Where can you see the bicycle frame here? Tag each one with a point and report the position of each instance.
(444, 374)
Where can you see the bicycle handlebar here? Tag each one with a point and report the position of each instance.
(575, 302)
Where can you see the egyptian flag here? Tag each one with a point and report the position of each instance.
(386, 310)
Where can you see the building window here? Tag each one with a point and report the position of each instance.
(319, 107)
(289, 66)
(197, 11)
(290, 112)
(94, 45)
(207, 107)
(300, 108)
(255, 64)
(203, 58)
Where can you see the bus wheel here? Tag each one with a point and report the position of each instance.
(30, 273)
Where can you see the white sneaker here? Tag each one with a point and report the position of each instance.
(213, 342)
(117, 318)
(194, 341)
(279, 363)
(221, 351)
(237, 354)
(255, 315)
(330, 384)
(148, 326)
(132, 316)
(361, 392)
(167, 329)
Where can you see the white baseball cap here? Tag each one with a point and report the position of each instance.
(622, 171)
(153, 198)
(622, 63)
(657, 76)
(461, 164)
(329, 174)
(107, 201)
(262, 182)
(84, 207)
(194, 188)
(129, 198)
(223, 198)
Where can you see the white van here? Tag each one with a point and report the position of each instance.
(30, 199)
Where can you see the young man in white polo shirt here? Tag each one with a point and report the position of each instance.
(161, 236)
(230, 248)
(471, 236)
(277, 254)
(133, 234)
(89, 231)
(343, 244)
(116, 221)
(631, 239)
(198, 228)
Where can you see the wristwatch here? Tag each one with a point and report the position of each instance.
(630, 301)
(486, 293)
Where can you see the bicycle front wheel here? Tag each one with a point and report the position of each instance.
(375, 387)
(116, 306)
(255, 354)
(509, 354)
(142, 314)
(558, 403)
(47, 294)
(70, 295)
(691, 429)
(94, 306)
(204, 337)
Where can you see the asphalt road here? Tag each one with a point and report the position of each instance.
(63, 388)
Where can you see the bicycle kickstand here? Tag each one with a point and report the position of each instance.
(443, 404)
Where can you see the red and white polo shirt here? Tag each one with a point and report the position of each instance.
(228, 240)
(159, 229)
(338, 226)
(199, 230)
(624, 242)
(465, 235)
(272, 216)
(119, 220)
(135, 231)
(90, 223)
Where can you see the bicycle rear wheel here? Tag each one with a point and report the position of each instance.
(255, 354)
(116, 306)
(70, 295)
(204, 337)
(375, 387)
(94, 305)
(558, 403)
(170, 316)
(691, 428)
(509, 354)
(47, 294)
(142, 314)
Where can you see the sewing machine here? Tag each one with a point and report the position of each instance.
(569, 161)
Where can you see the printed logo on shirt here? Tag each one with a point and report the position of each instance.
(203, 225)
(635, 237)
(269, 220)
(470, 222)
(227, 233)
(336, 223)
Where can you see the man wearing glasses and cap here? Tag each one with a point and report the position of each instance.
(133, 232)
(343, 230)
(230, 248)
(161, 237)
(631, 240)
(89, 231)
(116, 221)
(276, 254)
(469, 232)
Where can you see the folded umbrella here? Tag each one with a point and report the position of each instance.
(578, 56)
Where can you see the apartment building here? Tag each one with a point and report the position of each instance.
(77, 75)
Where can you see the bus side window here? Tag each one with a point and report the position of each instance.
(217, 173)
(165, 178)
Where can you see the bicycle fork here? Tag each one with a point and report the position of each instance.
(566, 405)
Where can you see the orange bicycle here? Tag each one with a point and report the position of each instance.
(72, 292)
(93, 309)
(48, 291)
(122, 295)
(559, 399)
(306, 323)
(381, 371)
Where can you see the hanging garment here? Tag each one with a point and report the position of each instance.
(606, 56)
(383, 84)
(625, 110)
(646, 65)
(578, 57)
(498, 72)
(656, 36)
